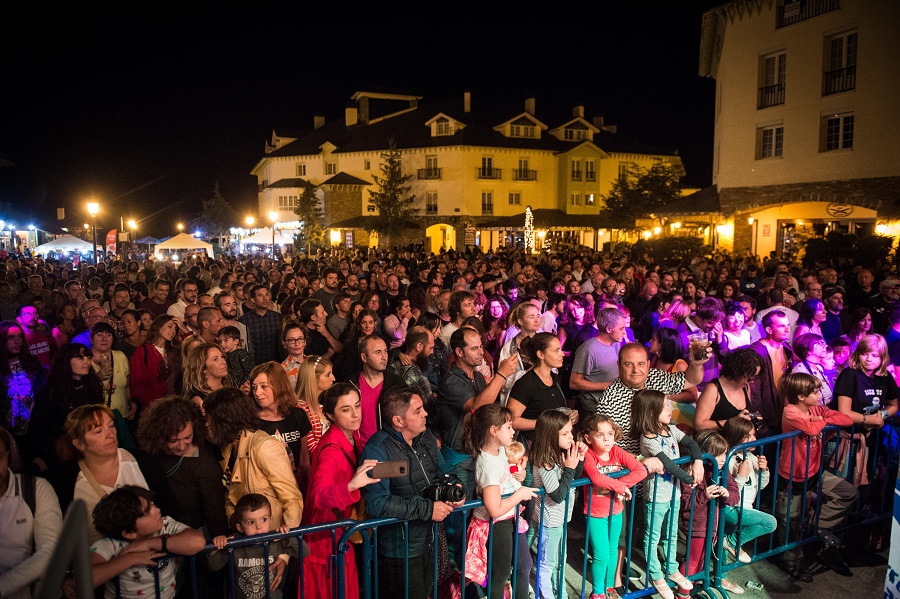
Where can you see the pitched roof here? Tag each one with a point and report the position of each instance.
(343, 178)
(705, 201)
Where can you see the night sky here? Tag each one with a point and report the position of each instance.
(147, 112)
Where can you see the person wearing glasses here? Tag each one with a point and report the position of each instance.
(38, 336)
(293, 337)
(809, 353)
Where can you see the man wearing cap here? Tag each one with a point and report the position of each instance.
(883, 303)
(835, 316)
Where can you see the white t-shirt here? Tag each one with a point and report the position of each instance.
(139, 581)
(493, 470)
(129, 474)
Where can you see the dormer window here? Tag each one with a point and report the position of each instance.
(575, 134)
(521, 131)
(442, 127)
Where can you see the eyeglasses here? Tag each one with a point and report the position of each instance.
(295, 340)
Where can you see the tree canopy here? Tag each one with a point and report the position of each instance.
(216, 217)
(644, 191)
(392, 199)
(309, 210)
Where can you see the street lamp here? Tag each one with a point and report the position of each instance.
(250, 220)
(93, 209)
(180, 227)
(273, 216)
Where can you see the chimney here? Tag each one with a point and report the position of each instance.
(364, 110)
(351, 115)
(467, 101)
(529, 105)
(318, 121)
(598, 122)
(578, 110)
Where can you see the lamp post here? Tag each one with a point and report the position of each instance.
(131, 227)
(273, 216)
(249, 220)
(93, 209)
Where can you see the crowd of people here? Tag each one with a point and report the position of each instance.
(197, 402)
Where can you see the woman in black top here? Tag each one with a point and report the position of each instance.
(538, 389)
(728, 395)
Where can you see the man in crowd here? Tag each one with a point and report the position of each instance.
(319, 340)
(411, 362)
(37, 335)
(775, 361)
(121, 301)
(556, 305)
(595, 364)
(186, 291)
(835, 317)
(158, 303)
(208, 321)
(883, 303)
(338, 322)
(405, 553)
(328, 291)
(263, 327)
(372, 381)
(94, 315)
(35, 289)
(460, 307)
(707, 320)
(8, 305)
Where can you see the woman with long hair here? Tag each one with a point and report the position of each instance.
(667, 353)
(65, 323)
(279, 415)
(71, 383)
(494, 319)
(675, 315)
(809, 352)
(526, 317)
(858, 326)
(287, 290)
(315, 377)
(576, 325)
(539, 388)
(205, 370)
(348, 361)
(335, 481)
(134, 334)
(255, 461)
(21, 378)
(155, 365)
(810, 316)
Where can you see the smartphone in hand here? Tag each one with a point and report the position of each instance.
(392, 469)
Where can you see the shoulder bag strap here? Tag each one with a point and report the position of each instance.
(89, 476)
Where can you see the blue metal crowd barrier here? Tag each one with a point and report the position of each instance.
(707, 577)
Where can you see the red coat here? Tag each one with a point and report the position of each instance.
(797, 447)
(149, 379)
(333, 465)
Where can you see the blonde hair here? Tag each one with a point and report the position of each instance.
(868, 344)
(307, 387)
(194, 377)
(515, 452)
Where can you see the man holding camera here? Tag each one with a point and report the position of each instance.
(411, 496)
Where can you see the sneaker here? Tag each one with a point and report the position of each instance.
(612, 593)
(731, 587)
(596, 596)
(662, 587)
(743, 557)
(683, 583)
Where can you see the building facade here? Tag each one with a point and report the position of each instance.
(474, 168)
(805, 133)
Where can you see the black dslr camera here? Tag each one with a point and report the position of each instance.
(444, 490)
(757, 420)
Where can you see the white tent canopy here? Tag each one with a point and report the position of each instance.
(264, 237)
(64, 243)
(183, 241)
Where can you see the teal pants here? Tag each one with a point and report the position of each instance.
(604, 542)
(662, 527)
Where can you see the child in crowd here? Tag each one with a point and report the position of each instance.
(515, 454)
(253, 516)
(798, 473)
(695, 509)
(750, 472)
(487, 433)
(556, 460)
(841, 348)
(239, 360)
(651, 422)
(829, 366)
(136, 537)
(604, 505)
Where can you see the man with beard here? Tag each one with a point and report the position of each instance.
(411, 362)
(329, 289)
(228, 306)
(352, 289)
(372, 381)
(121, 302)
(37, 335)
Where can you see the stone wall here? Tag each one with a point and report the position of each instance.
(880, 194)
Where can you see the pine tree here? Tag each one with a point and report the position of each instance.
(309, 210)
(392, 199)
(643, 191)
(216, 217)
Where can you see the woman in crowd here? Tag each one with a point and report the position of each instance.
(21, 377)
(810, 316)
(134, 334)
(279, 415)
(734, 333)
(155, 364)
(538, 389)
(65, 323)
(27, 542)
(71, 383)
(348, 361)
(494, 319)
(333, 492)
(728, 395)
(173, 432)
(667, 353)
(146, 321)
(113, 369)
(809, 353)
(315, 377)
(372, 301)
(205, 371)
(858, 326)
(103, 466)
(293, 338)
(287, 291)
(256, 462)
(438, 362)
(526, 317)
(576, 325)
(675, 315)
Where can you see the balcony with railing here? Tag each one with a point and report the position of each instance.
(839, 80)
(590, 176)
(429, 173)
(790, 13)
(487, 173)
(576, 175)
(524, 175)
(771, 95)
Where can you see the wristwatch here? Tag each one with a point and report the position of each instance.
(885, 414)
